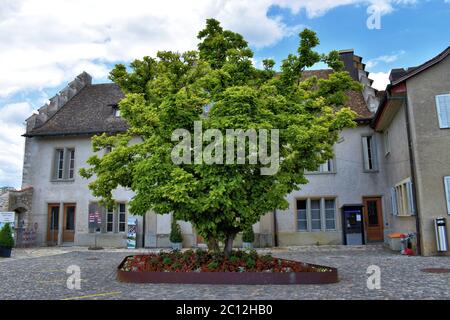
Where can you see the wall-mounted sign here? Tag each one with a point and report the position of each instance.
(95, 220)
(132, 231)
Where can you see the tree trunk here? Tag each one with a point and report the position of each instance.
(229, 244)
(213, 244)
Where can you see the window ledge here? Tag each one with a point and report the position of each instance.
(62, 180)
(320, 173)
(371, 171)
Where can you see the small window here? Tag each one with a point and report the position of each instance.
(122, 217)
(116, 112)
(302, 221)
(71, 163)
(326, 167)
(387, 145)
(330, 214)
(443, 110)
(60, 164)
(403, 199)
(64, 164)
(369, 153)
(315, 215)
(110, 220)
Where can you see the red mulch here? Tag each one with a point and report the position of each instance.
(202, 261)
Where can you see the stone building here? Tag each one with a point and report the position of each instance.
(347, 200)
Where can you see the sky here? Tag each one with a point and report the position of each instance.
(44, 44)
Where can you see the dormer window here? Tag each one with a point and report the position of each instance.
(115, 110)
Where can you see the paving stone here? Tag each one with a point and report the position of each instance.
(40, 273)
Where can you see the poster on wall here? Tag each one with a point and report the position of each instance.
(8, 217)
(132, 230)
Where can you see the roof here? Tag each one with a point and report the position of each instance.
(356, 100)
(398, 76)
(410, 72)
(88, 112)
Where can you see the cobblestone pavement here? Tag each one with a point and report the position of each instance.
(41, 274)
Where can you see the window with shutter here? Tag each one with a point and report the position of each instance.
(394, 201)
(370, 161)
(402, 199)
(447, 192)
(411, 206)
(443, 110)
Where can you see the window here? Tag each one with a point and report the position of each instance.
(64, 164)
(402, 199)
(110, 220)
(447, 192)
(369, 153)
(71, 163)
(116, 111)
(330, 214)
(122, 216)
(311, 213)
(443, 110)
(315, 215)
(326, 167)
(60, 164)
(302, 221)
(387, 145)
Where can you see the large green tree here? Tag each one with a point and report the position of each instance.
(219, 86)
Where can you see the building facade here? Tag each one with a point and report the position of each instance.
(348, 200)
(414, 118)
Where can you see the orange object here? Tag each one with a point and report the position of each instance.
(395, 235)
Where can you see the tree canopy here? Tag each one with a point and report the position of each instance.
(219, 87)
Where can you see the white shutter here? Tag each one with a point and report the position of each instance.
(394, 202)
(374, 153)
(443, 110)
(447, 192)
(409, 190)
(365, 153)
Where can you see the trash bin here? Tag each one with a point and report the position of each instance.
(440, 226)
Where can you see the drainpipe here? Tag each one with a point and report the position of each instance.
(275, 228)
(412, 164)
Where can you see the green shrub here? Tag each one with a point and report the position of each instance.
(175, 233)
(248, 235)
(6, 239)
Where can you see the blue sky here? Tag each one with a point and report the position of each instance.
(44, 44)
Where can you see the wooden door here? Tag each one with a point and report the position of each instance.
(69, 222)
(53, 224)
(373, 219)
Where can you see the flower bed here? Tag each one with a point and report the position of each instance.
(204, 267)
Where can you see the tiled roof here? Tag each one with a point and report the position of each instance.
(88, 112)
(91, 110)
(356, 100)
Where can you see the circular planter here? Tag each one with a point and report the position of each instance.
(5, 252)
(245, 278)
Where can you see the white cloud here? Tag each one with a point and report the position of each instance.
(389, 58)
(380, 80)
(12, 143)
(45, 43)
